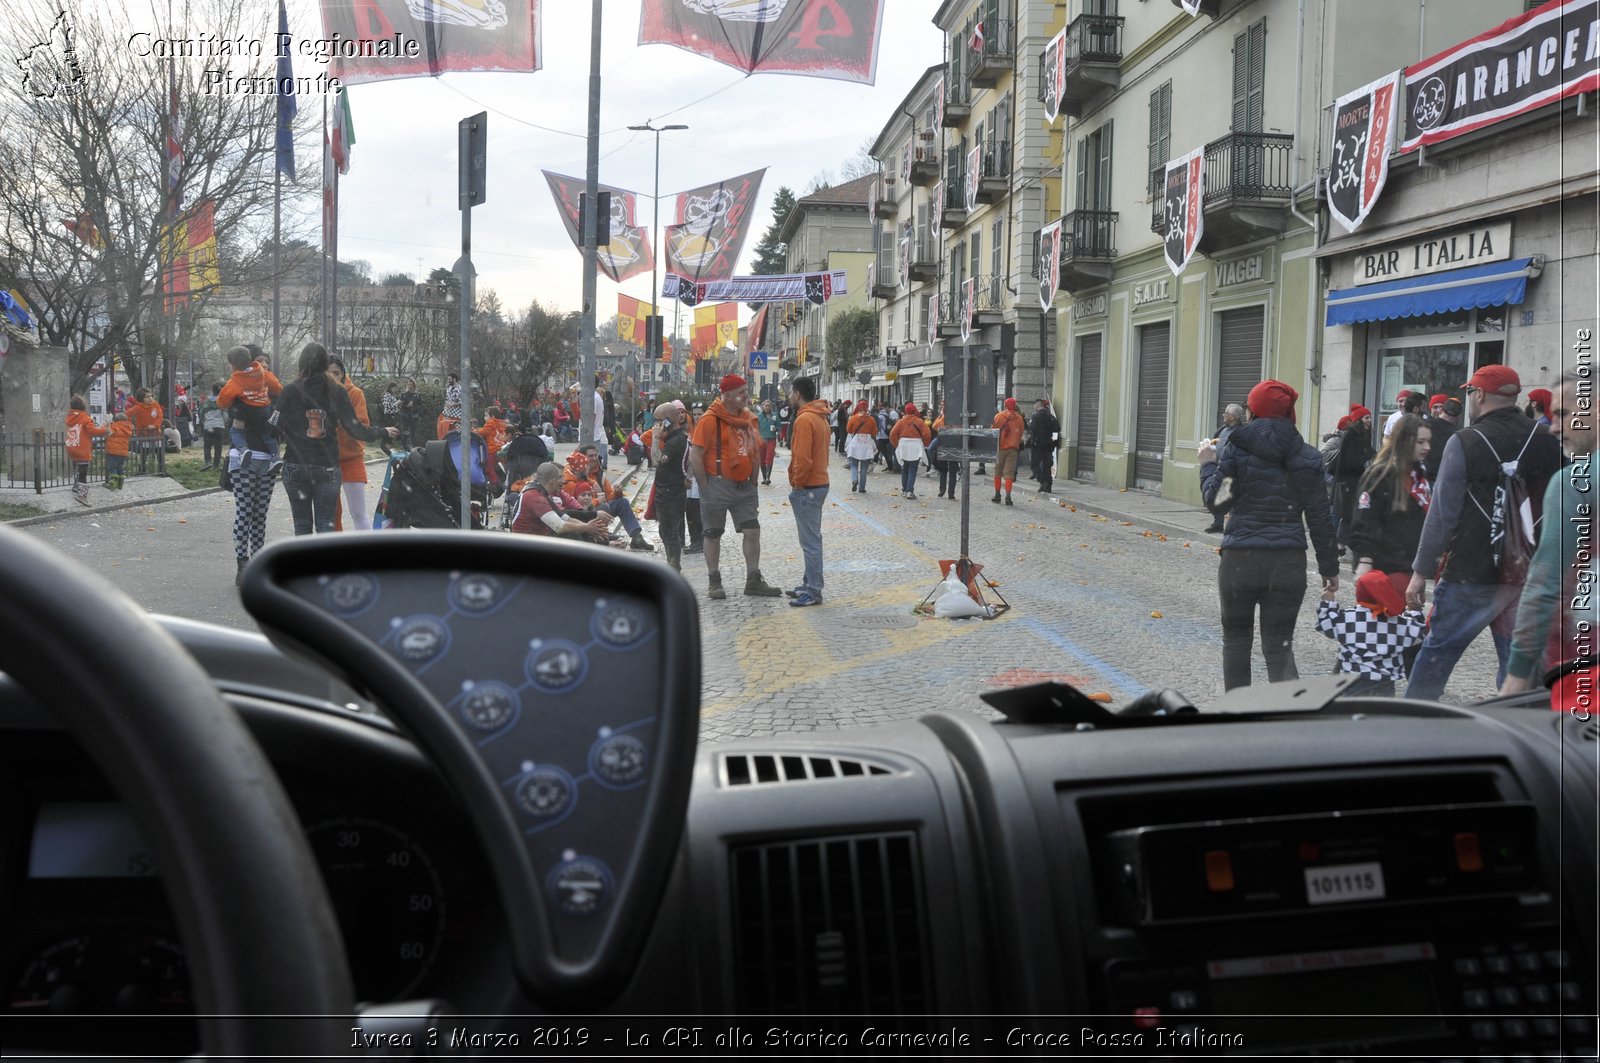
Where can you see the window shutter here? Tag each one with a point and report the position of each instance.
(1080, 175)
(1102, 191)
(1256, 103)
(1241, 80)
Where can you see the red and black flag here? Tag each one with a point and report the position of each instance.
(628, 253)
(1363, 123)
(1184, 192)
(713, 221)
(418, 38)
(818, 38)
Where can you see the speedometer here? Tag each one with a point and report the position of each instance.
(389, 900)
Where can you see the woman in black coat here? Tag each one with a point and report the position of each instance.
(1391, 501)
(310, 409)
(1355, 454)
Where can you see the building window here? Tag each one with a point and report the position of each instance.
(1250, 79)
(1160, 130)
(1094, 170)
(1435, 354)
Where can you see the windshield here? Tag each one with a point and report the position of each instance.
(879, 351)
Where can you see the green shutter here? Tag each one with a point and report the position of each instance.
(1241, 80)
(1256, 102)
(1081, 174)
(1102, 190)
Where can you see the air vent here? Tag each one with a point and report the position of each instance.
(759, 769)
(830, 926)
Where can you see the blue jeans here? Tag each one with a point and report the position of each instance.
(859, 467)
(313, 496)
(908, 476)
(1460, 613)
(806, 502)
(619, 507)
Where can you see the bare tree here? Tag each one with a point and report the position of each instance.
(87, 126)
(861, 164)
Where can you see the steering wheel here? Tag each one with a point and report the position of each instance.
(254, 917)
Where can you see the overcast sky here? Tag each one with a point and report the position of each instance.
(398, 203)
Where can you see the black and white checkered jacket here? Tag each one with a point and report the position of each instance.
(1369, 645)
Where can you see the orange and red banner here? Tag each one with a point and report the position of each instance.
(378, 40)
(190, 248)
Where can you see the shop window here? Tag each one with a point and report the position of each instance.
(1435, 354)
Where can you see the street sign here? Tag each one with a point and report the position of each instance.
(474, 159)
(981, 410)
(891, 363)
(758, 360)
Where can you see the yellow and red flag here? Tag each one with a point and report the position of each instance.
(715, 326)
(84, 228)
(190, 250)
(631, 315)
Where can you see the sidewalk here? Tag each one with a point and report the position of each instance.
(56, 503)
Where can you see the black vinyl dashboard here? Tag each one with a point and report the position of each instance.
(1361, 882)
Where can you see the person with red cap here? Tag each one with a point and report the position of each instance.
(1443, 421)
(1374, 636)
(1276, 494)
(861, 445)
(1011, 426)
(1473, 592)
(1409, 402)
(910, 436)
(1355, 454)
(1539, 406)
(723, 459)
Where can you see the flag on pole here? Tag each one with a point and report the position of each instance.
(715, 325)
(631, 315)
(288, 106)
(84, 228)
(831, 39)
(200, 232)
(343, 133)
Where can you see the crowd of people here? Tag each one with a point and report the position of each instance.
(1459, 506)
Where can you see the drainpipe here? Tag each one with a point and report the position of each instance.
(1314, 355)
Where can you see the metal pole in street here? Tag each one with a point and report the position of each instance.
(592, 226)
(653, 335)
(966, 465)
(472, 140)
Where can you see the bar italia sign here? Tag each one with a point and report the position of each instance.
(1453, 250)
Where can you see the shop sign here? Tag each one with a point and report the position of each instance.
(1436, 253)
(1247, 270)
(1152, 292)
(1094, 306)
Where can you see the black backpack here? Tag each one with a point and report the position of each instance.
(1513, 526)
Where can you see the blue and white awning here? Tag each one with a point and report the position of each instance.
(1493, 284)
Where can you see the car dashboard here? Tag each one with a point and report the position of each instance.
(1366, 881)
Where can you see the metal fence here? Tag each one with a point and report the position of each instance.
(40, 460)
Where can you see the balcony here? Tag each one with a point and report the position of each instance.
(953, 213)
(949, 323)
(989, 299)
(1247, 189)
(957, 101)
(924, 162)
(1088, 249)
(885, 205)
(882, 280)
(996, 176)
(991, 59)
(1094, 53)
(924, 264)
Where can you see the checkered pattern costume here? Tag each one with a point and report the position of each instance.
(1370, 645)
(252, 495)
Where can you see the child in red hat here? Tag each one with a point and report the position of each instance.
(1373, 636)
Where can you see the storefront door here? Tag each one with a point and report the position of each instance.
(1088, 433)
(1150, 418)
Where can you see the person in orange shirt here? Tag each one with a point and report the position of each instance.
(910, 436)
(494, 433)
(146, 414)
(352, 456)
(117, 451)
(246, 400)
(808, 483)
(861, 445)
(1011, 426)
(79, 439)
(586, 483)
(726, 446)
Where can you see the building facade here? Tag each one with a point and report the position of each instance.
(830, 229)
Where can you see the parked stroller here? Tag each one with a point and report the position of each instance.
(424, 486)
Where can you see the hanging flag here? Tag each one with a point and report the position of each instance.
(1055, 75)
(872, 206)
(288, 106)
(175, 255)
(938, 104)
(418, 38)
(756, 333)
(1184, 191)
(1363, 122)
(933, 314)
(1526, 62)
(974, 175)
(936, 211)
(330, 201)
(905, 253)
(1049, 264)
(342, 132)
(969, 296)
(628, 254)
(1191, 6)
(84, 228)
(817, 38)
(666, 348)
(706, 339)
(815, 288)
(712, 222)
(200, 236)
(631, 315)
(905, 165)
(976, 43)
(803, 354)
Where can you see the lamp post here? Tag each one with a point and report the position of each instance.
(655, 223)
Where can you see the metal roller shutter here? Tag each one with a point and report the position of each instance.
(1088, 435)
(1150, 420)
(1241, 346)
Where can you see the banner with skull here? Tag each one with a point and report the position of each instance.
(974, 175)
(969, 296)
(938, 104)
(1184, 191)
(713, 221)
(817, 38)
(629, 253)
(1055, 75)
(1049, 264)
(1363, 124)
(936, 212)
(454, 36)
(905, 254)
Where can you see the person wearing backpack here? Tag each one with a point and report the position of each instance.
(1475, 539)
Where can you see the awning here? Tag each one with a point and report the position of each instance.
(915, 370)
(1494, 284)
(878, 382)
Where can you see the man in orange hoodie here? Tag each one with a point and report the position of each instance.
(1011, 426)
(723, 460)
(808, 482)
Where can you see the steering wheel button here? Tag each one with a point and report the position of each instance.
(421, 639)
(546, 794)
(580, 886)
(489, 706)
(477, 593)
(351, 595)
(557, 666)
(619, 761)
(620, 625)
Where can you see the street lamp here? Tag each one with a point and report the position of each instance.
(655, 223)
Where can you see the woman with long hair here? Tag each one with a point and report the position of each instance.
(310, 411)
(1391, 501)
(352, 455)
